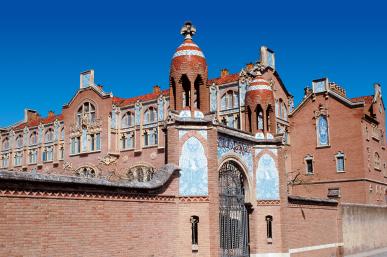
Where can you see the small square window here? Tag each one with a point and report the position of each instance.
(334, 192)
(309, 165)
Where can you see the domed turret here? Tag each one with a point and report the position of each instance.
(259, 106)
(188, 74)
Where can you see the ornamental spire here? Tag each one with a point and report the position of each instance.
(188, 30)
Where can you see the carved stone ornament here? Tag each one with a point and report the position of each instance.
(321, 111)
(108, 159)
(247, 75)
(67, 166)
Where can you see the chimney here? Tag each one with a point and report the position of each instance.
(30, 115)
(51, 114)
(156, 89)
(224, 73)
(249, 66)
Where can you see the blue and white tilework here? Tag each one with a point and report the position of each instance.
(228, 145)
(185, 114)
(267, 179)
(194, 170)
(198, 115)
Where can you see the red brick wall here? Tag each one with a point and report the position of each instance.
(69, 227)
(312, 225)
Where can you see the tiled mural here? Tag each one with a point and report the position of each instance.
(229, 145)
(194, 170)
(267, 180)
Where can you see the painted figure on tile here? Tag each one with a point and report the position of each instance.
(267, 180)
(323, 130)
(194, 170)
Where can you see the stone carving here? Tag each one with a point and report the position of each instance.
(108, 159)
(25, 136)
(194, 170)
(67, 166)
(267, 180)
(140, 173)
(40, 133)
(160, 108)
(56, 129)
(213, 99)
(137, 112)
(229, 145)
(87, 172)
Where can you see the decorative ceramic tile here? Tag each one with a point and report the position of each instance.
(188, 52)
(198, 115)
(274, 151)
(194, 171)
(185, 114)
(269, 136)
(323, 130)
(259, 135)
(182, 133)
(267, 180)
(203, 133)
(228, 145)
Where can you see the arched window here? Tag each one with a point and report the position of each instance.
(127, 140)
(268, 113)
(19, 141)
(309, 164)
(34, 138)
(340, 162)
(33, 156)
(249, 119)
(269, 227)
(127, 120)
(377, 161)
(259, 118)
(229, 100)
(150, 115)
(47, 154)
(186, 97)
(322, 131)
(86, 114)
(49, 136)
(198, 82)
(5, 144)
(150, 137)
(194, 231)
(284, 112)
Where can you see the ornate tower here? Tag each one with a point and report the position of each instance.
(188, 75)
(260, 104)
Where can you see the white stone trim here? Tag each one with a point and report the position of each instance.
(314, 247)
(189, 44)
(188, 52)
(270, 255)
(260, 87)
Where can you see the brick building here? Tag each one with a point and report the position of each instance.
(208, 167)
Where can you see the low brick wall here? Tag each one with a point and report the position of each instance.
(312, 228)
(364, 227)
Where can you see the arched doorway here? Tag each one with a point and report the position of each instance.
(233, 215)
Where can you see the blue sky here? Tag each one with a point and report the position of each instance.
(44, 45)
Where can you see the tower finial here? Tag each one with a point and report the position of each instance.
(188, 30)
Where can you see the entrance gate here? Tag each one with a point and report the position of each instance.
(233, 216)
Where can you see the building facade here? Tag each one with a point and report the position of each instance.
(207, 167)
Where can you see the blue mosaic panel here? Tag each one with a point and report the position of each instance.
(194, 171)
(267, 180)
(323, 130)
(319, 86)
(228, 145)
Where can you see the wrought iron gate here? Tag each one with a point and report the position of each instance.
(233, 216)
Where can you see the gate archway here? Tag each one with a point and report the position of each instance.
(233, 215)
